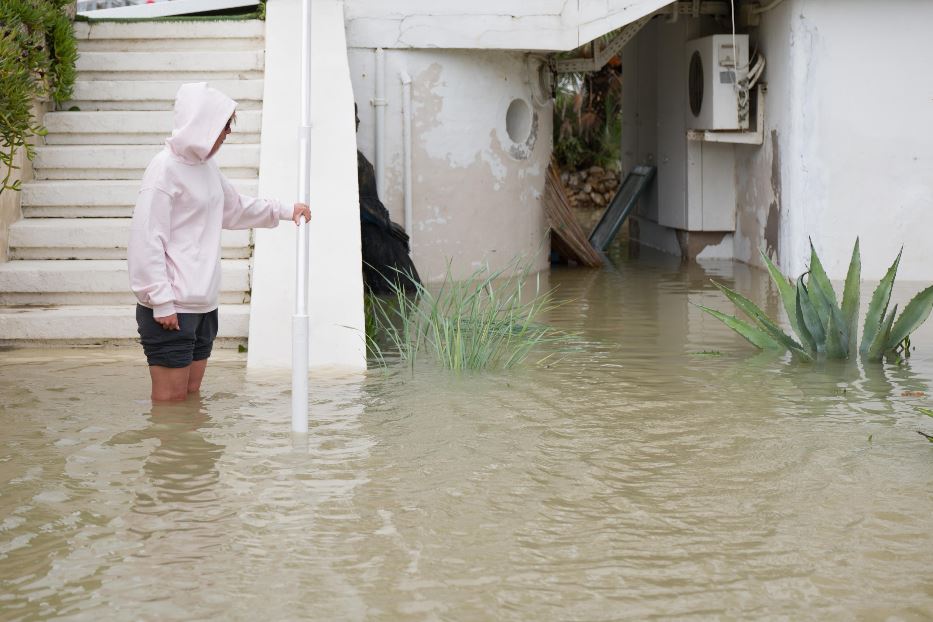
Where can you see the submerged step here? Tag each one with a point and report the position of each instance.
(91, 323)
(82, 282)
(99, 276)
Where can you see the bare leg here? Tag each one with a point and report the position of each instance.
(196, 375)
(170, 384)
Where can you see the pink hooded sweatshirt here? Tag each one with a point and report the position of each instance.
(184, 202)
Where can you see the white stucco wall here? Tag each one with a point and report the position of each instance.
(850, 117)
(489, 24)
(336, 286)
(476, 194)
(847, 137)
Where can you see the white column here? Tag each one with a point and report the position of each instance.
(336, 288)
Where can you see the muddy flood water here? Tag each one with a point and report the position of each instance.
(663, 471)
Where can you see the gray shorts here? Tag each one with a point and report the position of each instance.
(176, 348)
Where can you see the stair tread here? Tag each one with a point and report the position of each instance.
(227, 29)
(132, 122)
(171, 61)
(96, 322)
(86, 265)
(82, 194)
(112, 310)
(126, 158)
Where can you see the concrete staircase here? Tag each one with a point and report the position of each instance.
(66, 282)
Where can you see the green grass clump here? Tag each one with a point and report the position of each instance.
(824, 328)
(488, 321)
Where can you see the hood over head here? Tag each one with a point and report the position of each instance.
(201, 112)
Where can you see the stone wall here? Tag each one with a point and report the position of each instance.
(589, 191)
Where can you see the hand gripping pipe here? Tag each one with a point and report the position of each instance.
(300, 324)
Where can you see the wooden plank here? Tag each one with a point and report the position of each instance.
(567, 237)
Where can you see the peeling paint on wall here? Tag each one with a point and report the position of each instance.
(474, 202)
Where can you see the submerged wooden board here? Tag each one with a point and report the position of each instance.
(567, 237)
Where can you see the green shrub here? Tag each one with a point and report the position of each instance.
(588, 119)
(37, 61)
(824, 328)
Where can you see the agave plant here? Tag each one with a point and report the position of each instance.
(824, 329)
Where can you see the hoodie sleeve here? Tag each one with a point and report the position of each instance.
(243, 212)
(149, 235)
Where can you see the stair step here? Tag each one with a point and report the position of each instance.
(98, 238)
(154, 94)
(105, 281)
(96, 323)
(128, 161)
(209, 65)
(182, 29)
(133, 127)
(83, 198)
(68, 280)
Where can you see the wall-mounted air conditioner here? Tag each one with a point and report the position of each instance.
(714, 99)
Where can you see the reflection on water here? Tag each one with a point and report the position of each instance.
(663, 470)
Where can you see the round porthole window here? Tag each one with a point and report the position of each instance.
(695, 84)
(518, 121)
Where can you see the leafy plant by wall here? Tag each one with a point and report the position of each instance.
(37, 62)
(588, 118)
(824, 328)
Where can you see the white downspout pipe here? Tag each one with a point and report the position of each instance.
(406, 139)
(300, 324)
(379, 103)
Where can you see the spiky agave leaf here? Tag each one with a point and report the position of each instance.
(787, 291)
(878, 306)
(806, 338)
(914, 314)
(809, 318)
(755, 336)
(876, 350)
(824, 298)
(753, 311)
(837, 341)
(850, 298)
(819, 277)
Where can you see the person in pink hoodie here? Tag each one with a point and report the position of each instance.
(174, 248)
